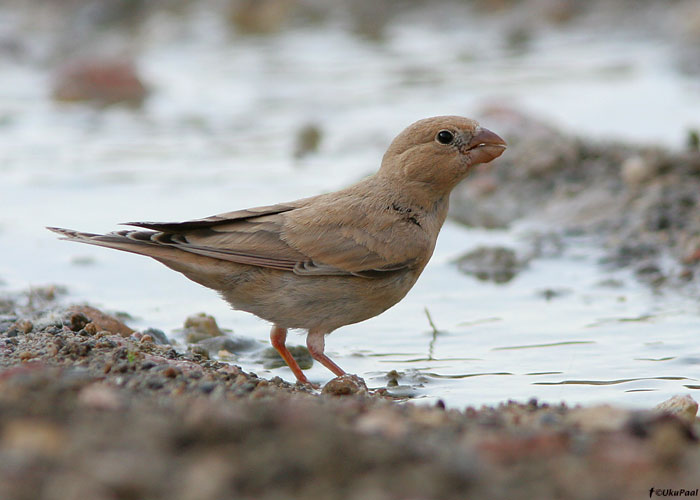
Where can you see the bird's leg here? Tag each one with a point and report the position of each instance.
(315, 341)
(278, 336)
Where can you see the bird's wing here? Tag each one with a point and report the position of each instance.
(314, 236)
(352, 235)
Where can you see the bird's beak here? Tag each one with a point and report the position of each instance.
(484, 137)
(484, 146)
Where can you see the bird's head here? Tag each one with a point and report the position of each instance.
(438, 152)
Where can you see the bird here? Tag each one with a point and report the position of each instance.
(330, 260)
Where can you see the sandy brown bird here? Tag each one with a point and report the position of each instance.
(327, 261)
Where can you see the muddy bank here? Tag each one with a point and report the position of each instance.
(87, 412)
(641, 202)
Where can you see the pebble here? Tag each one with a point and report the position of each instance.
(78, 321)
(199, 327)
(227, 343)
(158, 336)
(497, 264)
(100, 396)
(26, 355)
(22, 326)
(171, 372)
(101, 81)
(103, 321)
(259, 16)
(636, 170)
(271, 358)
(198, 350)
(31, 436)
(383, 422)
(684, 407)
(307, 140)
(345, 385)
(598, 418)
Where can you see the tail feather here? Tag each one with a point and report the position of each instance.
(138, 242)
(204, 270)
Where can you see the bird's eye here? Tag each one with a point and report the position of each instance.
(445, 137)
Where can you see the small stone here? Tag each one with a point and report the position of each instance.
(99, 81)
(78, 321)
(598, 418)
(100, 396)
(497, 264)
(684, 407)
(199, 327)
(26, 355)
(259, 16)
(103, 321)
(225, 355)
(636, 170)
(154, 383)
(33, 437)
(207, 387)
(22, 326)
(91, 328)
(158, 336)
(271, 358)
(308, 140)
(345, 385)
(146, 339)
(198, 350)
(383, 422)
(121, 368)
(228, 343)
(147, 365)
(172, 372)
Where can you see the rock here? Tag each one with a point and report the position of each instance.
(307, 140)
(233, 345)
(637, 170)
(78, 321)
(271, 358)
(199, 327)
(684, 407)
(345, 385)
(31, 436)
(102, 321)
(199, 350)
(598, 418)
(553, 293)
(259, 16)
(100, 396)
(496, 264)
(22, 326)
(158, 336)
(382, 422)
(100, 81)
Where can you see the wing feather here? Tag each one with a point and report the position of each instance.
(319, 236)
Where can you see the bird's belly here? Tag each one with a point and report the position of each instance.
(320, 302)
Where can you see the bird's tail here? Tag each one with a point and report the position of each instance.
(134, 241)
(206, 271)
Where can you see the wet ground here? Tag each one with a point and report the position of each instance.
(309, 106)
(89, 413)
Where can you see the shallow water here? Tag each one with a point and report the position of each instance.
(218, 134)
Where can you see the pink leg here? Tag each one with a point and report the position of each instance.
(315, 341)
(278, 336)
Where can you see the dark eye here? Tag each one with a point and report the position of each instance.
(445, 137)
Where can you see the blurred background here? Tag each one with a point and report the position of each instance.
(120, 110)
